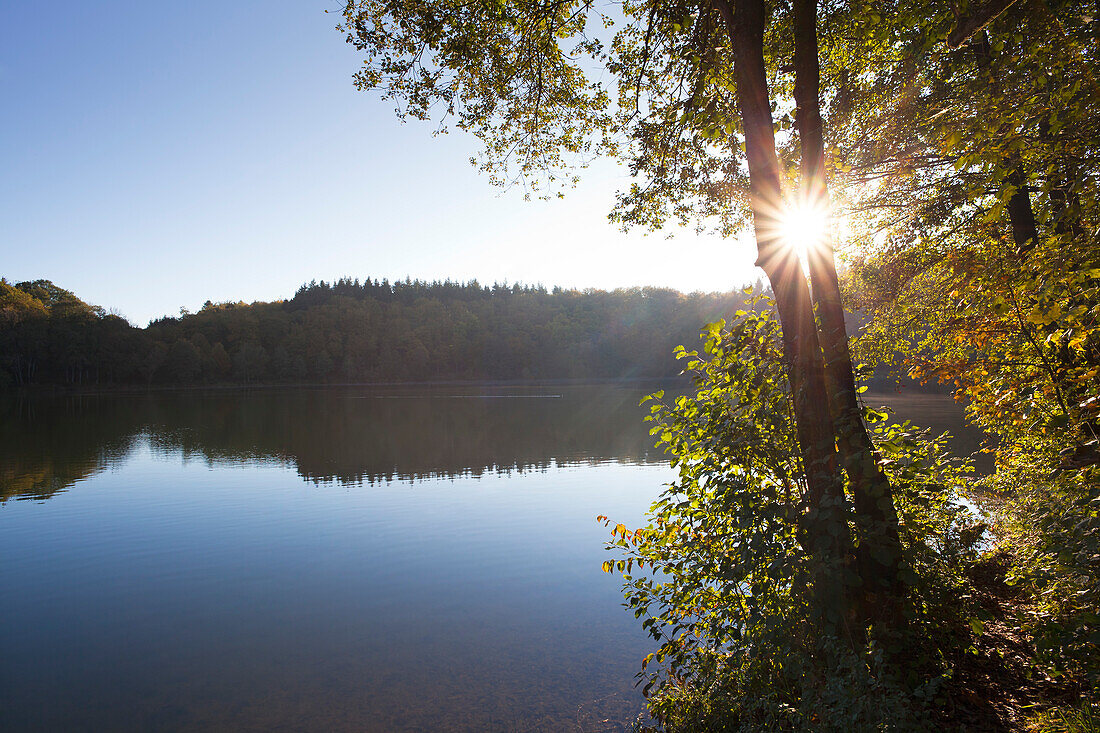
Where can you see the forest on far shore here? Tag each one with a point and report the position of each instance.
(351, 331)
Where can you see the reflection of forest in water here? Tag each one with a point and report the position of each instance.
(355, 436)
(345, 435)
(47, 445)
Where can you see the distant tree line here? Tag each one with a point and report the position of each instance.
(353, 331)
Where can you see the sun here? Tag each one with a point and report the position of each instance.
(804, 226)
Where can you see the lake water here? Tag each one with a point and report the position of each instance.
(329, 559)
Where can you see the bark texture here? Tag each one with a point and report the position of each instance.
(879, 553)
(827, 534)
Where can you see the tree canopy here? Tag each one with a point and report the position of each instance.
(954, 146)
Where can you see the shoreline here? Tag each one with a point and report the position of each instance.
(58, 390)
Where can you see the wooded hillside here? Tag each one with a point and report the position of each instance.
(352, 331)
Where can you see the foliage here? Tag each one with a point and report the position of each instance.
(1082, 718)
(721, 576)
(17, 304)
(352, 331)
(47, 333)
(528, 79)
(973, 172)
(1052, 519)
(511, 73)
(1020, 339)
(1016, 332)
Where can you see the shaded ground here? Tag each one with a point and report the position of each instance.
(997, 686)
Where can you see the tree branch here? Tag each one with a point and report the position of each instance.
(982, 16)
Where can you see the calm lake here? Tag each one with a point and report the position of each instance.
(327, 559)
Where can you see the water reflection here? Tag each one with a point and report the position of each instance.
(356, 436)
(205, 570)
(939, 413)
(47, 445)
(349, 436)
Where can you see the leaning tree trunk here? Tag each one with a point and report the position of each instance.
(826, 530)
(879, 552)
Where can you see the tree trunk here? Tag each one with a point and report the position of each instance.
(827, 536)
(1020, 214)
(879, 553)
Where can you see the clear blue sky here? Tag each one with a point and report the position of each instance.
(154, 155)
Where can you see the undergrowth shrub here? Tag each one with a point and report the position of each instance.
(1081, 718)
(721, 581)
(1051, 520)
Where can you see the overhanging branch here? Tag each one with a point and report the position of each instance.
(982, 16)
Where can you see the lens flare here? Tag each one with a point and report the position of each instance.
(804, 227)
